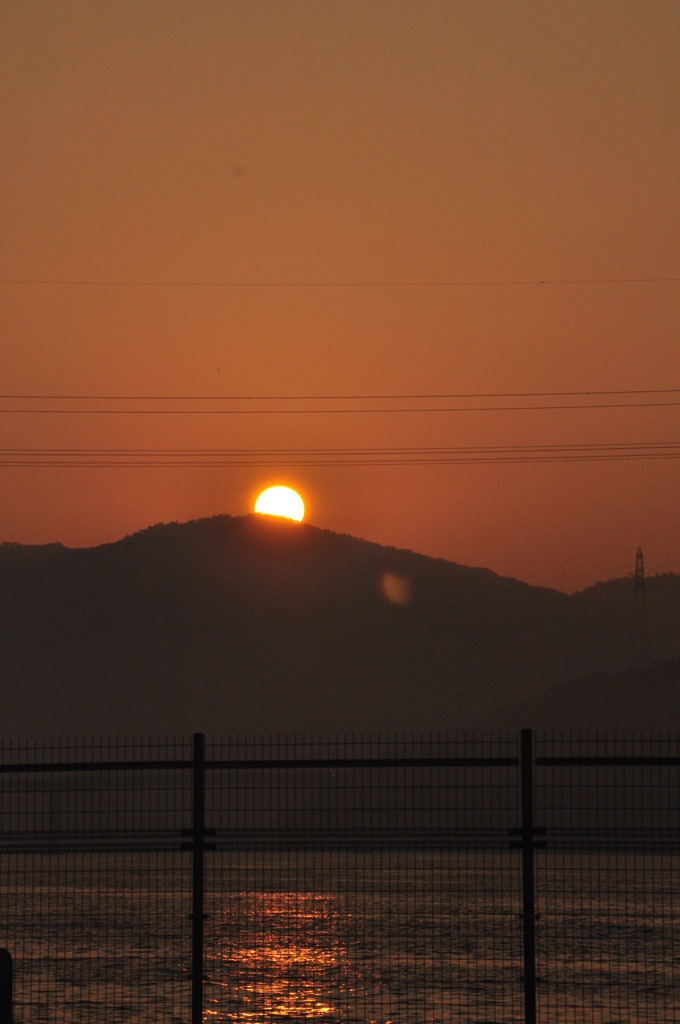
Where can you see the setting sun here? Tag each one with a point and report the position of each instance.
(281, 501)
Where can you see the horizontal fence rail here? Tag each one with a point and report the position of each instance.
(475, 878)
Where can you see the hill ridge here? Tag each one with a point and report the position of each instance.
(251, 623)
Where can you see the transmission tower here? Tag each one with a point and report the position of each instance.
(639, 628)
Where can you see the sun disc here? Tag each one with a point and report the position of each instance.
(281, 501)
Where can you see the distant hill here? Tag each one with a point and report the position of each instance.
(255, 624)
(609, 607)
(637, 698)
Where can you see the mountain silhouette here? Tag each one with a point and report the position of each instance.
(255, 625)
(644, 697)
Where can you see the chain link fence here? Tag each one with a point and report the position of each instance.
(353, 880)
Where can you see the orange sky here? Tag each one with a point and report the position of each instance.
(295, 198)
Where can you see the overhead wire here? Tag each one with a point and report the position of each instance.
(393, 396)
(317, 464)
(356, 450)
(348, 456)
(444, 283)
(340, 411)
(352, 455)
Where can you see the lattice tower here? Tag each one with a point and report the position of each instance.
(639, 630)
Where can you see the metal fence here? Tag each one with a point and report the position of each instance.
(505, 879)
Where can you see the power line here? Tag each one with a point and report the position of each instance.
(451, 283)
(319, 463)
(372, 410)
(356, 450)
(317, 457)
(336, 397)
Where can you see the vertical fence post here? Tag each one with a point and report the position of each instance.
(197, 876)
(6, 1012)
(528, 895)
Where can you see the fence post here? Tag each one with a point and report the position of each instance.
(197, 876)
(528, 895)
(5, 987)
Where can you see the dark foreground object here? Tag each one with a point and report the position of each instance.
(5, 987)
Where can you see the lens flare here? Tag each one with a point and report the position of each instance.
(396, 589)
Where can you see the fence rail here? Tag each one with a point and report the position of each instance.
(513, 878)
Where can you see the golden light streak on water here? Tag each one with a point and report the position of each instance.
(285, 958)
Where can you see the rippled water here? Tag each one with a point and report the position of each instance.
(345, 937)
(366, 938)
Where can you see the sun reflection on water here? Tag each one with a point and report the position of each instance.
(280, 958)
